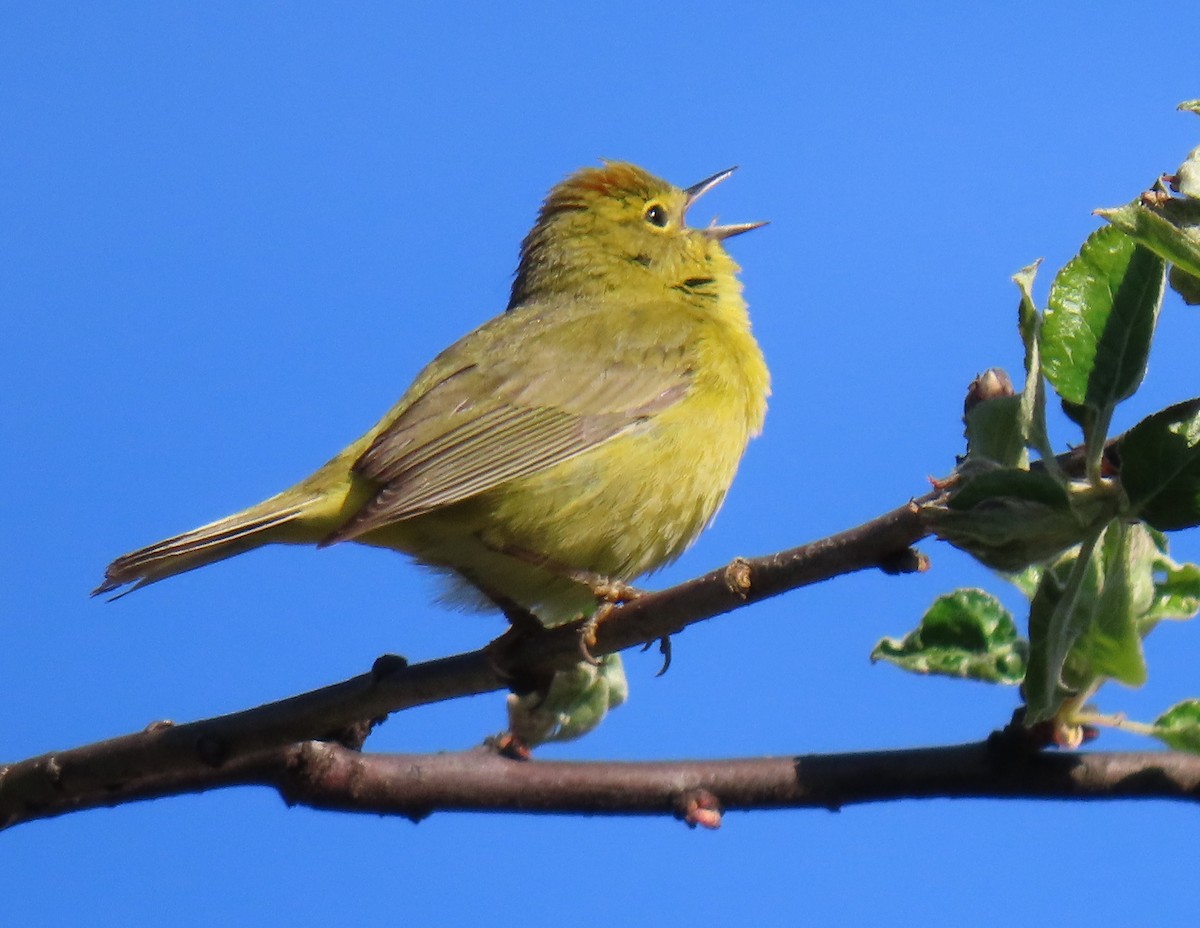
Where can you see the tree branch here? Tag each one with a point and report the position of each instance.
(166, 758)
(329, 776)
(307, 746)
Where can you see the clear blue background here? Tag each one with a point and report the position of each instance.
(233, 232)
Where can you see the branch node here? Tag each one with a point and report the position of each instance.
(699, 807)
(1015, 744)
(54, 771)
(159, 725)
(387, 664)
(908, 561)
(354, 735)
(737, 577)
(507, 745)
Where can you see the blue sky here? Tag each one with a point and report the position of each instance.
(233, 233)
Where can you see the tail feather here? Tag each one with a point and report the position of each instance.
(216, 541)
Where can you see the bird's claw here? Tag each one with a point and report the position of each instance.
(609, 594)
(664, 648)
(587, 632)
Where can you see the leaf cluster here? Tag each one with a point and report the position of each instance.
(1083, 535)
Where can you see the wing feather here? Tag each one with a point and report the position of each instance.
(502, 417)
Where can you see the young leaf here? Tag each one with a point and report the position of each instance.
(1100, 318)
(1060, 612)
(1179, 726)
(995, 433)
(987, 485)
(1009, 518)
(968, 634)
(1111, 644)
(1027, 580)
(1187, 175)
(1176, 593)
(1171, 229)
(1185, 284)
(1032, 415)
(1128, 585)
(1160, 467)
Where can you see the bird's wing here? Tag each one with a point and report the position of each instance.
(505, 413)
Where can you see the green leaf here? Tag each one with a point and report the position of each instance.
(1008, 518)
(574, 703)
(1060, 612)
(1176, 586)
(1190, 106)
(1187, 175)
(1160, 467)
(1185, 284)
(1100, 318)
(1171, 229)
(1111, 644)
(1176, 593)
(989, 485)
(995, 432)
(967, 634)
(1027, 580)
(1082, 416)
(1033, 396)
(1087, 620)
(1179, 726)
(1028, 317)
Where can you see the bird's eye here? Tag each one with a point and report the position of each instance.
(656, 214)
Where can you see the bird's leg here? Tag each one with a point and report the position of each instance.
(554, 705)
(605, 589)
(609, 592)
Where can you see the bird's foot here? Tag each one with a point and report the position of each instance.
(606, 589)
(609, 594)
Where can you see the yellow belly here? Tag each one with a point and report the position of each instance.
(618, 511)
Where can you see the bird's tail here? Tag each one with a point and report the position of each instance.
(280, 518)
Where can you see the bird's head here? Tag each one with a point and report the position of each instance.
(619, 228)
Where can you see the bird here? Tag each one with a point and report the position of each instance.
(582, 438)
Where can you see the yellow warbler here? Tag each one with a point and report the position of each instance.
(588, 433)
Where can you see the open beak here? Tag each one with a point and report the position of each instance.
(714, 231)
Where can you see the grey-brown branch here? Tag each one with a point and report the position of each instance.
(307, 746)
(327, 776)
